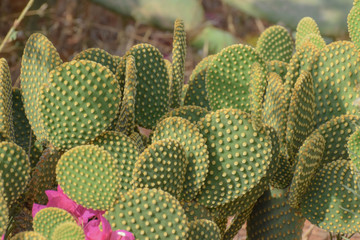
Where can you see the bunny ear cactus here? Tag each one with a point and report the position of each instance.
(275, 43)
(203, 229)
(4, 210)
(228, 77)
(139, 210)
(80, 100)
(152, 97)
(39, 59)
(306, 27)
(178, 63)
(67, 231)
(98, 182)
(28, 235)
(126, 120)
(6, 122)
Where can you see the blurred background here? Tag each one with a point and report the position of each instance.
(116, 25)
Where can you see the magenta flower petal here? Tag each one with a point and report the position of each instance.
(92, 229)
(36, 208)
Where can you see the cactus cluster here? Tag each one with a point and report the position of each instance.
(266, 134)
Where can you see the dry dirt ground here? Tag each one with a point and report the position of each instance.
(74, 25)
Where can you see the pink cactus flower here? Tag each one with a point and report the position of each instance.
(89, 219)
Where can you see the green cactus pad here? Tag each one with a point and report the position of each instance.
(336, 75)
(284, 173)
(28, 235)
(39, 58)
(68, 231)
(353, 25)
(24, 136)
(228, 77)
(161, 165)
(203, 229)
(196, 94)
(43, 177)
(79, 102)
(191, 113)
(257, 89)
(47, 219)
(152, 90)
(300, 121)
(4, 210)
(149, 214)
(272, 218)
(330, 202)
(124, 150)
(275, 43)
(121, 72)
(178, 63)
(303, 59)
(354, 148)
(195, 211)
(306, 26)
(126, 120)
(336, 133)
(183, 94)
(6, 119)
(239, 157)
(315, 39)
(15, 166)
(100, 56)
(189, 136)
(308, 162)
(278, 67)
(90, 176)
(274, 110)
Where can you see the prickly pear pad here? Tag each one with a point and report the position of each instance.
(228, 77)
(191, 113)
(15, 168)
(305, 27)
(124, 150)
(189, 136)
(308, 162)
(354, 148)
(6, 122)
(203, 229)
(161, 165)
(152, 90)
(329, 203)
(79, 102)
(90, 176)
(275, 43)
(149, 214)
(100, 56)
(47, 219)
(4, 211)
(240, 157)
(68, 231)
(336, 75)
(39, 59)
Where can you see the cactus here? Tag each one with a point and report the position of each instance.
(141, 209)
(189, 136)
(227, 84)
(95, 171)
(47, 220)
(80, 100)
(203, 229)
(264, 135)
(178, 63)
(275, 43)
(68, 231)
(123, 149)
(161, 165)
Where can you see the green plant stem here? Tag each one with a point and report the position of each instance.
(16, 23)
